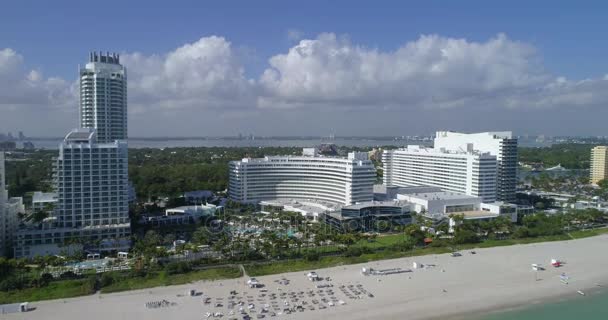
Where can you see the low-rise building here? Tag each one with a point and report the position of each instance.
(182, 215)
(478, 215)
(378, 216)
(43, 201)
(440, 202)
(309, 209)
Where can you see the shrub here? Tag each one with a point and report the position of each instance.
(311, 256)
(177, 267)
(353, 252)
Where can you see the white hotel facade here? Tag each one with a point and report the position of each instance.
(309, 177)
(103, 97)
(466, 172)
(501, 144)
(91, 171)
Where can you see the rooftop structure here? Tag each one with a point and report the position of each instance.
(182, 215)
(310, 209)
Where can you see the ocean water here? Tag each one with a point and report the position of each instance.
(593, 306)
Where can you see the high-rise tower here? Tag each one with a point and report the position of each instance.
(599, 164)
(499, 144)
(103, 97)
(91, 171)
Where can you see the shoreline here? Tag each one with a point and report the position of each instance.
(493, 281)
(512, 307)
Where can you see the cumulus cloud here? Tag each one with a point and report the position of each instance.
(432, 71)
(204, 83)
(204, 74)
(20, 87)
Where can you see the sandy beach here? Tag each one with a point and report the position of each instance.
(457, 287)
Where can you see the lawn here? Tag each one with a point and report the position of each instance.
(326, 262)
(384, 242)
(588, 233)
(55, 290)
(159, 279)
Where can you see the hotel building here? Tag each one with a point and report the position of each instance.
(103, 97)
(91, 171)
(310, 177)
(466, 172)
(502, 145)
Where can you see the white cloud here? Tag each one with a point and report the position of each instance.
(432, 71)
(21, 88)
(204, 83)
(202, 75)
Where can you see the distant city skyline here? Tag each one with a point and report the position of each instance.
(314, 68)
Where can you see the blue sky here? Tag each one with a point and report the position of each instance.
(53, 37)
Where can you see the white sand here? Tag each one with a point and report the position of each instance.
(492, 279)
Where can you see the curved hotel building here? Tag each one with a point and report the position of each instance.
(310, 177)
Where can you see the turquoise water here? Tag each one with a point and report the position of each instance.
(590, 307)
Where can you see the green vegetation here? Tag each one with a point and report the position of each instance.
(173, 171)
(326, 262)
(114, 282)
(33, 173)
(587, 233)
(387, 253)
(570, 156)
(54, 290)
(119, 282)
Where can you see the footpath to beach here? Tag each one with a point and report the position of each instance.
(492, 279)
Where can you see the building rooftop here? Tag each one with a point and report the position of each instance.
(192, 210)
(418, 189)
(496, 134)
(80, 135)
(391, 203)
(443, 151)
(303, 206)
(39, 197)
(439, 195)
(311, 153)
(477, 214)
